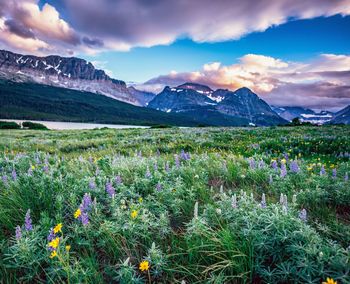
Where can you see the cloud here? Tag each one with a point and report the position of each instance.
(18, 42)
(129, 23)
(27, 27)
(94, 26)
(95, 42)
(322, 82)
(19, 29)
(47, 22)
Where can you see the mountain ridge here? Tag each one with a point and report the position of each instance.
(67, 72)
(342, 116)
(192, 98)
(304, 114)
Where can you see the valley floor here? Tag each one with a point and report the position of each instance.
(178, 205)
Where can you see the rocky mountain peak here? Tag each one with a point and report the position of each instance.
(67, 72)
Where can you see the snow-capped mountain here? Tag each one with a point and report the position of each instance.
(179, 99)
(342, 116)
(304, 114)
(194, 98)
(71, 73)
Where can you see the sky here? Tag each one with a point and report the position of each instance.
(290, 52)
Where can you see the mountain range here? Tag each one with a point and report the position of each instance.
(196, 99)
(62, 88)
(304, 114)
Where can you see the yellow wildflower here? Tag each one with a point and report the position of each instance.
(54, 243)
(33, 168)
(53, 254)
(140, 199)
(58, 228)
(329, 281)
(77, 213)
(283, 161)
(68, 248)
(144, 265)
(134, 214)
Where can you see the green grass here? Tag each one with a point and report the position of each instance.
(189, 203)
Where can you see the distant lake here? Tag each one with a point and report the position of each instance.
(60, 125)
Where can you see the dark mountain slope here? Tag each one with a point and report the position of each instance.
(42, 102)
(342, 116)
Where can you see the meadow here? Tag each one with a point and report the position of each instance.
(177, 205)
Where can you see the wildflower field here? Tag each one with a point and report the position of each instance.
(190, 205)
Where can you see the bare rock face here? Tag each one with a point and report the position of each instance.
(71, 73)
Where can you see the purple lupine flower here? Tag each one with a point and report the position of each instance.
(285, 155)
(118, 180)
(294, 167)
(159, 186)
(261, 164)
(322, 171)
(148, 173)
(177, 161)
(139, 154)
(18, 233)
(5, 179)
(283, 170)
(14, 174)
(84, 218)
(81, 159)
(303, 215)
(28, 221)
(251, 163)
(346, 177)
(274, 165)
(334, 173)
(92, 184)
(91, 160)
(110, 189)
(155, 166)
(51, 235)
(185, 156)
(46, 168)
(86, 203)
(97, 172)
(270, 179)
(263, 201)
(167, 167)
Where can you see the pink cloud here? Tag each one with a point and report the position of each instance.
(279, 82)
